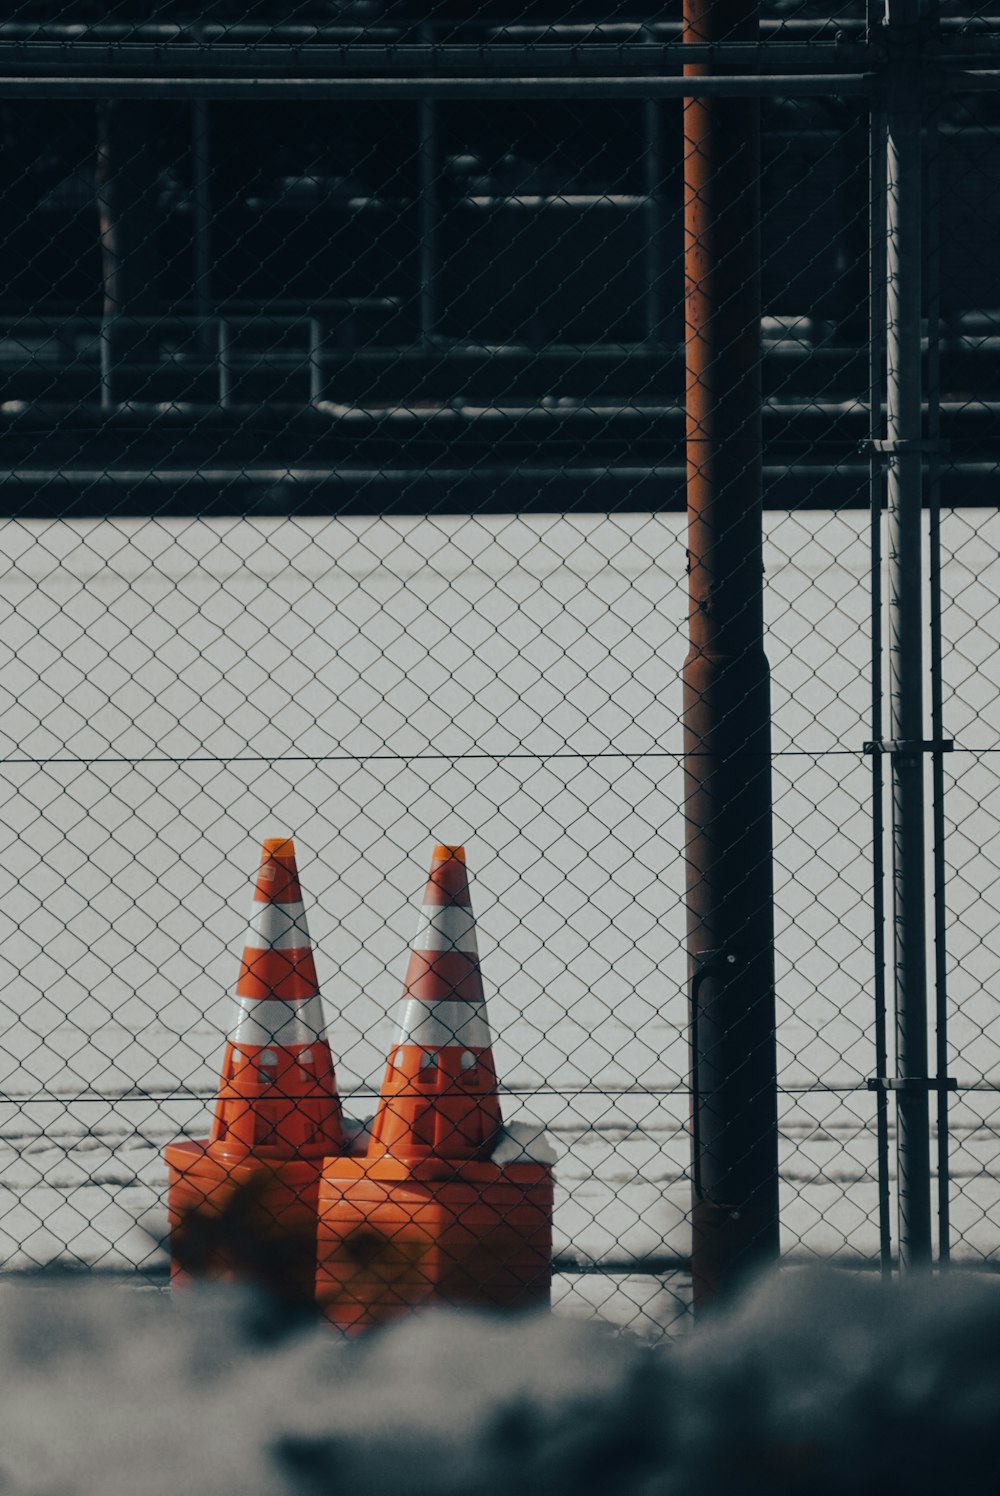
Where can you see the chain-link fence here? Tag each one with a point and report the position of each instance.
(967, 128)
(343, 364)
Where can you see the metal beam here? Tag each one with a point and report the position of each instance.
(224, 58)
(357, 90)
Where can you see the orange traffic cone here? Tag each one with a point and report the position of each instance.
(439, 1098)
(431, 1215)
(277, 1095)
(243, 1201)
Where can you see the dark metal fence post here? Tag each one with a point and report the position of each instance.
(225, 371)
(653, 162)
(905, 458)
(727, 785)
(430, 208)
(317, 348)
(932, 265)
(876, 482)
(107, 216)
(126, 206)
(201, 204)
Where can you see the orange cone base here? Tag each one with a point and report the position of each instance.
(290, 1110)
(450, 1110)
(392, 1238)
(252, 1221)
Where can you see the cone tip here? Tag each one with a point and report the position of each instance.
(278, 846)
(448, 854)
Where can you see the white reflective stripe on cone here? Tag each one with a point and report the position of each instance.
(446, 927)
(271, 1021)
(438, 1025)
(279, 927)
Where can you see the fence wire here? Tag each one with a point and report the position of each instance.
(342, 496)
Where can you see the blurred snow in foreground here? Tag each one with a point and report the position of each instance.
(816, 1383)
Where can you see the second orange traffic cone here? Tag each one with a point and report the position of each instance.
(439, 1098)
(431, 1215)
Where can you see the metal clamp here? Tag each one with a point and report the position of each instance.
(704, 961)
(909, 747)
(706, 964)
(913, 1083)
(898, 447)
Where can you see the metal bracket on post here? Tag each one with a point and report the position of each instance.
(899, 748)
(888, 449)
(706, 963)
(913, 1083)
(905, 41)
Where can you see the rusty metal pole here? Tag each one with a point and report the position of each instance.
(727, 764)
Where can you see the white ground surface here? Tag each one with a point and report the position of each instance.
(814, 1382)
(170, 692)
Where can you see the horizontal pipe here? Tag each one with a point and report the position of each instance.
(357, 90)
(220, 477)
(401, 58)
(375, 492)
(212, 35)
(602, 411)
(301, 33)
(321, 413)
(246, 312)
(434, 354)
(969, 331)
(277, 415)
(214, 477)
(367, 57)
(978, 80)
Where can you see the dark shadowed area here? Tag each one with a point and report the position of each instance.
(816, 1382)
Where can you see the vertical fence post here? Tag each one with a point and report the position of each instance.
(727, 763)
(225, 371)
(111, 253)
(128, 219)
(201, 204)
(430, 209)
(932, 264)
(317, 346)
(429, 192)
(652, 121)
(904, 453)
(876, 486)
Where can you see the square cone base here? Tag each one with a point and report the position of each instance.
(394, 1237)
(249, 1221)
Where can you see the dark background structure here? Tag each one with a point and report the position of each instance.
(385, 295)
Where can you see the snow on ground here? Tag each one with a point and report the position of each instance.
(812, 1385)
(172, 691)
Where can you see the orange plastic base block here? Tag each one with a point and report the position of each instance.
(247, 1220)
(392, 1238)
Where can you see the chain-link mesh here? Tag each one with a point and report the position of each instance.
(967, 130)
(342, 498)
